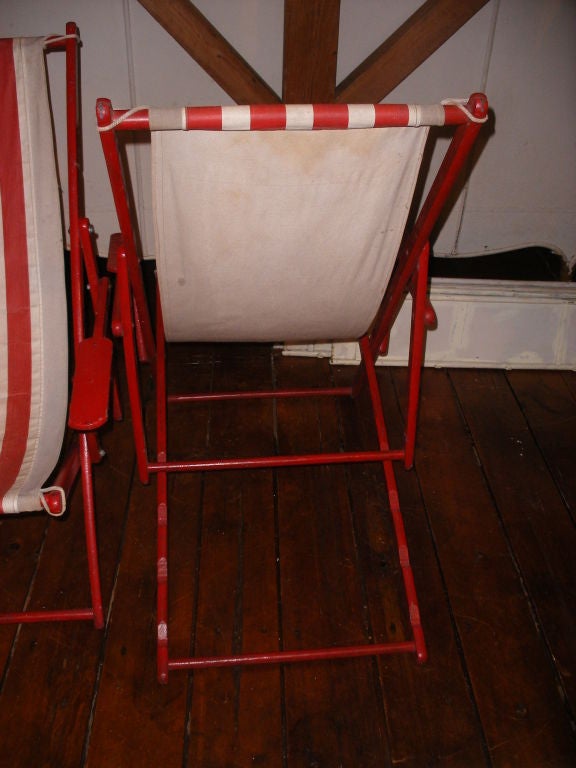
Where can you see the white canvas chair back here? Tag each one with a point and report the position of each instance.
(33, 316)
(275, 236)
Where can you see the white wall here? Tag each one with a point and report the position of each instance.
(521, 52)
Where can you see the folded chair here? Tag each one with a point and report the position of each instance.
(280, 223)
(39, 458)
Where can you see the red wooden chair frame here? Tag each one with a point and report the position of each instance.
(410, 274)
(88, 408)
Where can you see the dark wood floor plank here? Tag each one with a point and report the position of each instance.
(429, 710)
(569, 378)
(548, 399)
(491, 555)
(21, 540)
(45, 705)
(334, 712)
(524, 719)
(541, 533)
(137, 721)
(235, 716)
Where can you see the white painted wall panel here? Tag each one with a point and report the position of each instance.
(482, 324)
(522, 191)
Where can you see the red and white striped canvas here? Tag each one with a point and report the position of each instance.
(33, 324)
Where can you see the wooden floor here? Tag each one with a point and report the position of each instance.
(306, 555)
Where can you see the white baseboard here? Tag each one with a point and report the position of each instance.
(482, 324)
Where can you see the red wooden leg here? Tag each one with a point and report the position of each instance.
(90, 530)
(393, 498)
(417, 339)
(131, 363)
(116, 402)
(162, 491)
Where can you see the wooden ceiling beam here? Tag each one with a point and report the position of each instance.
(310, 50)
(412, 43)
(192, 30)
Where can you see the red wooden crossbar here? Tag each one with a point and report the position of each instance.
(266, 117)
(261, 393)
(291, 657)
(267, 462)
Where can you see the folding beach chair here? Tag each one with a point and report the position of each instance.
(39, 458)
(276, 223)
